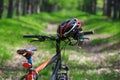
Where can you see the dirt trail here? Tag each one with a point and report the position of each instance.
(92, 54)
(87, 47)
(51, 28)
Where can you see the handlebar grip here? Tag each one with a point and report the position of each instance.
(30, 36)
(88, 32)
(39, 38)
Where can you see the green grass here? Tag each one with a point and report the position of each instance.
(94, 76)
(11, 31)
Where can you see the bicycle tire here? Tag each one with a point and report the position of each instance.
(63, 76)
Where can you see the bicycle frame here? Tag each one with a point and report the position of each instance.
(57, 66)
(32, 72)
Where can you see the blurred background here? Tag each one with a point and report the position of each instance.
(97, 59)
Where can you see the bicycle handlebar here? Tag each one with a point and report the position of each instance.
(43, 38)
(30, 36)
(40, 37)
(88, 32)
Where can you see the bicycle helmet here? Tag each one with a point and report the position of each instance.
(69, 28)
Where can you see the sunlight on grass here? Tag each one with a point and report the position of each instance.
(12, 30)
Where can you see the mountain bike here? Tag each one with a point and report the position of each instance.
(32, 73)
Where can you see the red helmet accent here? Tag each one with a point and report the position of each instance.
(60, 29)
(79, 25)
(69, 27)
(66, 26)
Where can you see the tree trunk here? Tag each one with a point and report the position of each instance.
(112, 9)
(109, 8)
(114, 16)
(105, 7)
(18, 7)
(29, 9)
(45, 6)
(1, 7)
(10, 9)
(89, 6)
(119, 10)
(94, 3)
(55, 7)
(35, 6)
(24, 4)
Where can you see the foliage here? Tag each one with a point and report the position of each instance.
(30, 24)
(65, 4)
(13, 29)
(100, 3)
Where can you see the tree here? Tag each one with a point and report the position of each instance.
(46, 6)
(116, 9)
(112, 9)
(24, 4)
(115, 6)
(89, 6)
(18, 7)
(1, 7)
(10, 9)
(94, 3)
(35, 6)
(55, 5)
(119, 10)
(29, 6)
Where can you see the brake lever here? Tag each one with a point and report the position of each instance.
(86, 38)
(81, 40)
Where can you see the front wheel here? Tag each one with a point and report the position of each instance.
(62, 76)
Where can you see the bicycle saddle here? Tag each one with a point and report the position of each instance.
(26, 51)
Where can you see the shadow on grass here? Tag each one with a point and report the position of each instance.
(87, 72)
(108, 43)
(10, 73)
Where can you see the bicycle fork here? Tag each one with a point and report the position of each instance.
(63, 74)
